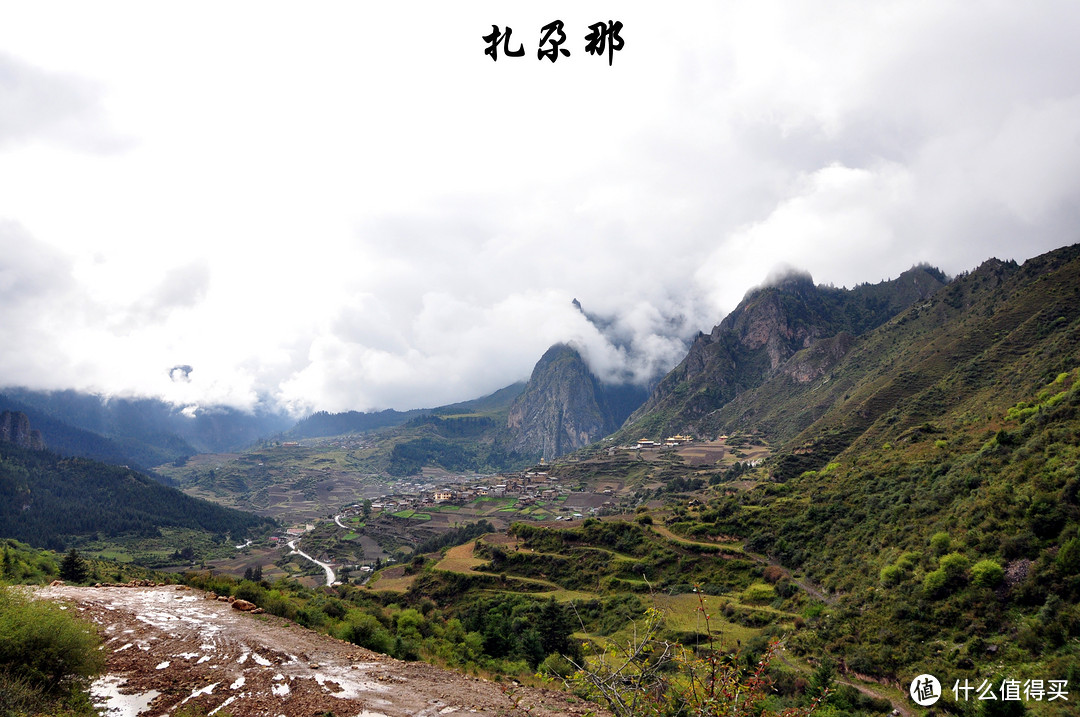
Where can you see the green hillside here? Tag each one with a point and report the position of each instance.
(50, 501)
(927, 475)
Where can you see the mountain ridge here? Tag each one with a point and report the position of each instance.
(770, 325)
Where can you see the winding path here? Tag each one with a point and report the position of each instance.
(331, 578)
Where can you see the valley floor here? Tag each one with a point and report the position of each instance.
(170, 647)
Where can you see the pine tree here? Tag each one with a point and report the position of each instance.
(73, 568)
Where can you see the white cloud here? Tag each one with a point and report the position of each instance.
(353, 207)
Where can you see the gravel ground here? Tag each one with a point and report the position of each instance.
(170, 647)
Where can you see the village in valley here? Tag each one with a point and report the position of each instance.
(366, 534)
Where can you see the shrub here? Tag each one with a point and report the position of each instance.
(891, 575)
(934, 583)
(940, 543)
(365, 630)
(772, 574)
(954, 565)
(251, 591)
(555, 665)
(987, 573)
(44, 647)
(1068, 557)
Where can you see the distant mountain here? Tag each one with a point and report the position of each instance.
(767, 328)
(142, 432)
(49, 501)
(564, 406)
(322, 423)
(496, 401)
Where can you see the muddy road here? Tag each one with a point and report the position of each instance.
(170, 647)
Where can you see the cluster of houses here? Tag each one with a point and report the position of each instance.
(527, 488)
(647, 444)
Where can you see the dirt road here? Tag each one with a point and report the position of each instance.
(170, 647)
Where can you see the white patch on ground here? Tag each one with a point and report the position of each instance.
(239, 683)
(162, 666)
(187, 655)
(280, 689)
(223, 704)
(208, 690)
(260, 659)
(204, 658)
(121, 649)
(243, 658)
(348, 686)
(105, 692)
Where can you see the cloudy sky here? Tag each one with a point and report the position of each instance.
(350, 206)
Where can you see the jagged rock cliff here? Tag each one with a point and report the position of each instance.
(768, 328)
(15, 428)
(564, 406)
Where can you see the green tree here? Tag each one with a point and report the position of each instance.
(73, 568)
(821, 681)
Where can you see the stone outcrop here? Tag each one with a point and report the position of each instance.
(15, 428)
(565, 407)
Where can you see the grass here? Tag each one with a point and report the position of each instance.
(682, 614)
(398, 584)
(460, 559)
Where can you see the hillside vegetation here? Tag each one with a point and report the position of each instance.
(50, 501)
(928, 477)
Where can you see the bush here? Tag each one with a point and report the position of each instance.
(891, 575)
(555, 665)
(987, 573)
(934, 583)
(44, 648)
(365, 630)
(251, 591)
(954, 565)
(940, 543)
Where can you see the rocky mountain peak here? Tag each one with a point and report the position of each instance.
(15, 428)
(565, 407)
